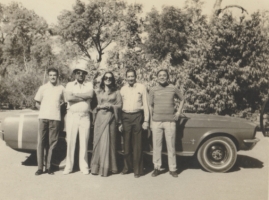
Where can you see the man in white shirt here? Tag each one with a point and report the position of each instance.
(48, 99)
(78, 94)
(135, 116)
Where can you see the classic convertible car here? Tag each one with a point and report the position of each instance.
(214, 139)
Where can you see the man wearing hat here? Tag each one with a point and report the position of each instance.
(78, 94)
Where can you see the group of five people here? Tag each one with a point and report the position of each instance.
(129, 110)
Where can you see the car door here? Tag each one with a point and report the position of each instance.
(264, 118)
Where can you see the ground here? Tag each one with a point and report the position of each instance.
(247, 180)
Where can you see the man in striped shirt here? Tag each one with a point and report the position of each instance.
(164, 119)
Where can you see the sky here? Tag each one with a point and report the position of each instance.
(50, 9)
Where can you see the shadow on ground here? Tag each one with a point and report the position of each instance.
(183, 163)
(246, 162)
(31, 160)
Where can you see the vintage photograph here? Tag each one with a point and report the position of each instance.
(134, 100)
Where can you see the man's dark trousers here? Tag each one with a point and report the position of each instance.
(47, 139)
(132, 135)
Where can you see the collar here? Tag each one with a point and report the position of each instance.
(51, 85)
(76, 82)
(135, 84)
(164, 85)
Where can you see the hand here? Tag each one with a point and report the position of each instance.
(145, 125)
(120, 128)
(176, 116)
(107, 107)
(99, 107)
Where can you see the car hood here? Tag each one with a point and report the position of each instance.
(218, 121)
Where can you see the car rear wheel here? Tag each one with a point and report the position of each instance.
(218, 154)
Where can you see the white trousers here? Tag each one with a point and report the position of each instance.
(77, 123)
(169, 128)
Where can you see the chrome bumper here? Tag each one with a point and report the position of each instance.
(250, 143)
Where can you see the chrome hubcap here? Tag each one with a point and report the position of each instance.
(217, 153)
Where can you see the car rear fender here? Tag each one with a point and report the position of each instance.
(216, 133)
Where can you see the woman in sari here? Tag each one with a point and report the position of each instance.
(105, 127)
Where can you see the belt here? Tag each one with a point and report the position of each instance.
(140, 111)
(80, 113)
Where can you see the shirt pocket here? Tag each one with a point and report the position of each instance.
(139, 96)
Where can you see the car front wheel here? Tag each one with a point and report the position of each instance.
(218, 154)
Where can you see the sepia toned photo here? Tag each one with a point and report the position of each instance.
(134, 100)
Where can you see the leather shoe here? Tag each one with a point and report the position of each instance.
(136, 175)
(50, 172)
(174, 174)
(124, 172)
(39, 172)
(156, 172)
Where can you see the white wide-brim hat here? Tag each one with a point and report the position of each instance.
(80, 65)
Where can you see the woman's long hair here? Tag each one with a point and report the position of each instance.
(113, 86)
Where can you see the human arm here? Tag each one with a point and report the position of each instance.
(37, 105)
(62, 99)
(69, 96)
(78, 97)
(182, 101)
(145, 124)
(120, 123)
(38, 97)
(117, 108)
(85, 96)
(151, 99)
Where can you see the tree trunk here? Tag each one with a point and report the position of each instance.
(215, 10)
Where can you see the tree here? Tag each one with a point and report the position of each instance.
(227, 66)
(166, 33)
(26, 52)
(93, 26)
(21, 30)
(217, 10)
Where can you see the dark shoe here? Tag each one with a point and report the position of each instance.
(50, 172)
(136, 175)
(156, 172)
(124, 172)
(174, 174)
(39, 172)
